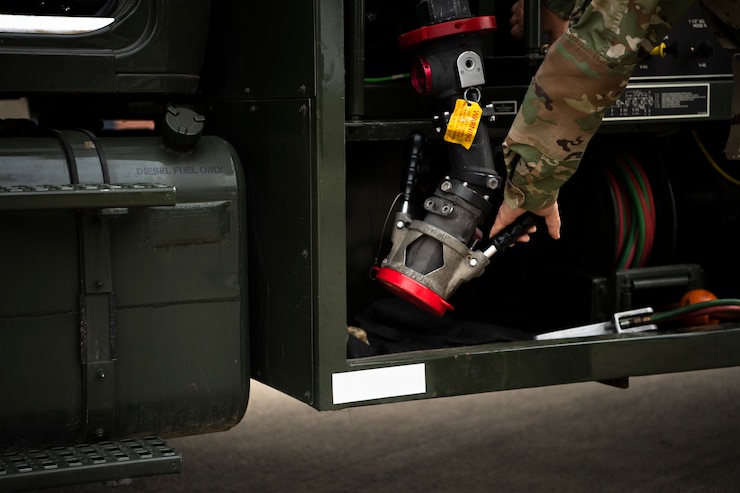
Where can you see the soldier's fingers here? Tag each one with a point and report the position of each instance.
(505, 216)
(517, 32)
(552, 220)
(516, 21)
(517, 8)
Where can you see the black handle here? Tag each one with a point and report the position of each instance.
(513, 231)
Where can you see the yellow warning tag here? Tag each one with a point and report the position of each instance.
(463, 123)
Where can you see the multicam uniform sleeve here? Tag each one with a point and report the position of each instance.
(584, 73)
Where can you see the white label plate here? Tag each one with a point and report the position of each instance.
(379, 383)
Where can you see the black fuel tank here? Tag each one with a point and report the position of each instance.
(122, 296)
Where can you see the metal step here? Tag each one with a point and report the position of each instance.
(96, 196)
(22, 470)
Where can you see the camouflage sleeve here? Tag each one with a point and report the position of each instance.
(584, 73)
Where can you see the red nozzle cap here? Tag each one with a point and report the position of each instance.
(412, 291)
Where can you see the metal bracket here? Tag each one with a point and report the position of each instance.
(470, 69)
(97, 327)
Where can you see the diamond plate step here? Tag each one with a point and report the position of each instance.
(22, 470)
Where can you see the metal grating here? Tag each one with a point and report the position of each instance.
(105, 461)
(86, 196)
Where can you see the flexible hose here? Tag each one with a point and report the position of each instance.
(635, 208)
(711, 160)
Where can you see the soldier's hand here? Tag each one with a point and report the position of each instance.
(506, 215)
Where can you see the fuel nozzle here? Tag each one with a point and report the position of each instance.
(430, 258)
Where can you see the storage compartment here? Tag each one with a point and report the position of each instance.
(622, 246)
(328, 153)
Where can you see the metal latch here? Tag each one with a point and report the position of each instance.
(622, 322)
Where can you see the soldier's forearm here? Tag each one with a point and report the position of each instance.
(584, 73)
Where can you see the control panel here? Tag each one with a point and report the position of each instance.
(688, 76)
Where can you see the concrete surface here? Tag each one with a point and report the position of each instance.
(668, 433)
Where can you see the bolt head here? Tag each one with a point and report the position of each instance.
(492, 183)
